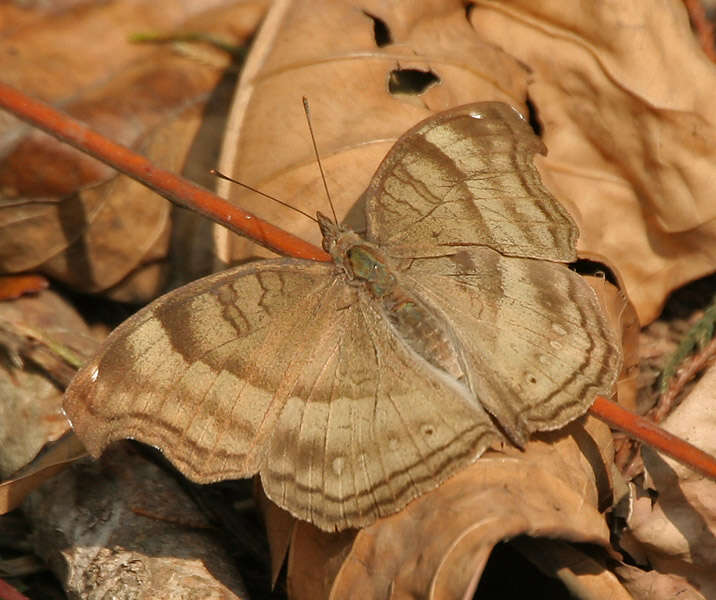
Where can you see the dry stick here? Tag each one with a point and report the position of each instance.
(174, 188)
(645, 431)
(188, 195)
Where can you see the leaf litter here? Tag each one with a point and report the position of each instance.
(615, 121)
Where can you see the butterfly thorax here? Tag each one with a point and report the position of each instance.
(365, 265)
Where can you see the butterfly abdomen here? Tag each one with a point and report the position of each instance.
(422, 331)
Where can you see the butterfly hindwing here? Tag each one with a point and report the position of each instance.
(370, 425)
(534, 339)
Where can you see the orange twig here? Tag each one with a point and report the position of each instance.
(172, 187)
(649, 433)
(189, 195)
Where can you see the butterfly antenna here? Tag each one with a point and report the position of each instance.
(307, 110)
(220, 175)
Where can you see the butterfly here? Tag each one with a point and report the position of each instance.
(355, 386)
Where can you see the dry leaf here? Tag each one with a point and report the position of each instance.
(53, 459)
(280, 526)
(14, 286)
(62, 212)
(53, 50)
(629, 128)
(31, 406)
(329, 51)
(31, 416)
(26, 398)
(678, 531)
(438, 546)
(652, 585)
(623, 316)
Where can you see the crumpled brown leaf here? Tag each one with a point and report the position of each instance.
(31, 403)
(622, 315)
(42, 339)
(54, 458)
(62, 212)
(327, 50)
(652, 585)
(678, 531)
(624, 94)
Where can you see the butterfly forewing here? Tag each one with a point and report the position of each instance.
(199, 372)
(466, 178)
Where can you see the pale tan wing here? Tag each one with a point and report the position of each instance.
(534, 341)
(279, 367)
(369, 427)
(466, 178)
(200, 372)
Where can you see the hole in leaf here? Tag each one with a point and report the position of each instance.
(584, 266)
(411, 81)
(381, 33)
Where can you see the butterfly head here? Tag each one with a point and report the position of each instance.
(336, 238)
(329, 229)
